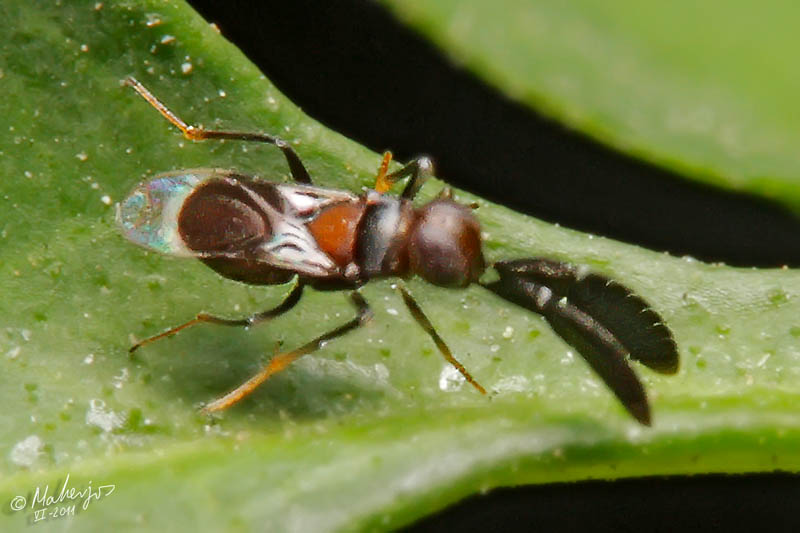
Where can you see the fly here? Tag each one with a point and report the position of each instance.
(265, 233)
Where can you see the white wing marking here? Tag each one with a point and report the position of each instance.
(307, 200)
(292, 246)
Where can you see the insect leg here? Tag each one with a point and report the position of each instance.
(282, 360)
(423, 321)
(290, 301)
(197, 133)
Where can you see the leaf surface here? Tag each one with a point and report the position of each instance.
(375, 430)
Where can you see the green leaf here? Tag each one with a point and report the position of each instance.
(707, 89)
(369, 432)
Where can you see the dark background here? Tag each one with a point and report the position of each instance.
(349, 65)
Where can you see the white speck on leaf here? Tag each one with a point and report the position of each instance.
(26, 451)
(450, 379)
(99, 416)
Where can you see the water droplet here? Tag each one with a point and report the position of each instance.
(392, 311)
(508, 332)
(84, 47)
(27, 451)
(99, 416)
(450, 379)
(14, 352)
(589, 384)
(381, 373)
(89, 359)
(106, 199)
(82, 156)
(187, 67)
(167, 39)
(120, 379)
(153, 20)
(512, 384)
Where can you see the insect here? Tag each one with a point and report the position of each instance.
(262, 232)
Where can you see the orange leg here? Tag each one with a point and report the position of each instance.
(197, 133)
(281, 361)
(423, 321)
(290, 301)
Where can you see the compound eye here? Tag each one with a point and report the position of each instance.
(445, 245)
